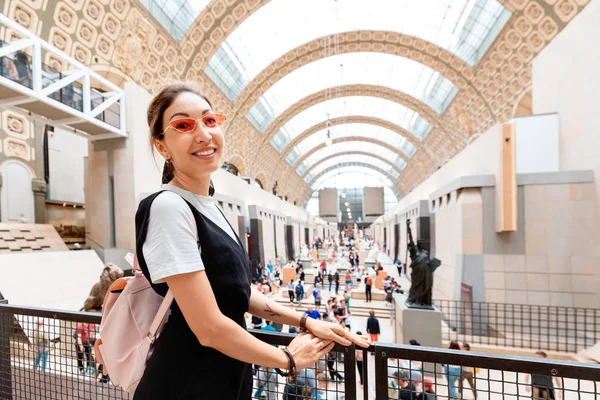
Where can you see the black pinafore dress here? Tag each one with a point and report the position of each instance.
(180, 368)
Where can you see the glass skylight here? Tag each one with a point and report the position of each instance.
(352, 177)
(356, 130)
(332, 162)
(466, 28)
(176, 16)
(351, 147)
(362, 106)
(380, 69)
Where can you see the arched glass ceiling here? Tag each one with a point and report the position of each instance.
(350, 146)
(350, 130)
(352, 177)
(380, 69)
(176, 16)
(351, 158)
(466, 28)
(363, 106)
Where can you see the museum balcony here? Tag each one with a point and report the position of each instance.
(389, 370)
(52, 87)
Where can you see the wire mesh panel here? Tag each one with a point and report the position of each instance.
(427, 373)
(332, 377)
(52, 357)
(568, 329)
(48, 354)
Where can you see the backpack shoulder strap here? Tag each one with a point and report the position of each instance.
(142, 219)
(161, 314)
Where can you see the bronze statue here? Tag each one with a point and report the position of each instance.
(94, 301)
(421, 274)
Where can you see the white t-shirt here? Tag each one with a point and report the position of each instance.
(171, 245)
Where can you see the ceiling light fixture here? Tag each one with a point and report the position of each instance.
(328, 140)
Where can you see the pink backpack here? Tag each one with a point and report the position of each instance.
(132, 317)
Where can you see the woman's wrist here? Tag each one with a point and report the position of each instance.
(282, 359)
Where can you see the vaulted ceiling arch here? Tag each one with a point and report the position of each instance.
(448, 65)
(348, 91)
(355, 120)
(351, 153)
(341, 140)
(354, 164)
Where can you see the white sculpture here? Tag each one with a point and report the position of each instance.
(373, 254)
(304, 253)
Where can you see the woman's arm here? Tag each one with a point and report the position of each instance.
(262, 306)
(195, 298)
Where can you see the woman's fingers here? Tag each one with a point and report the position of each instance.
(325, 350)
(339, 335)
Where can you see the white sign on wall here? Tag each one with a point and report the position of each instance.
(537, 143)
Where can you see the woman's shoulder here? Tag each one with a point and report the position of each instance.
(170, 205)
(169, 210)
(167, 200)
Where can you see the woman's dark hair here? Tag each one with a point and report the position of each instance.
(454, 345)
(155, 113)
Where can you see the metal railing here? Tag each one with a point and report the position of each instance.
(17, 67)
(551, 328)
(40, 360)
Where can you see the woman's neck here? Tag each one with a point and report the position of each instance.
(199, 185)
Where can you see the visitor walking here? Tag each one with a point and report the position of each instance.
(542, 385)
(368, 287)
(299, 291)
(291, 290)
(373, 327)
(453, 373)
(41, 345)
(83, 348)
(467, 373)
(317, 294)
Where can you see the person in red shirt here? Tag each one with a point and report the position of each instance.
(84, 334)
(324, 267)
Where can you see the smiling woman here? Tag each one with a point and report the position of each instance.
(185, 245)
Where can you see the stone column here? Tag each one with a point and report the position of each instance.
(38, 186)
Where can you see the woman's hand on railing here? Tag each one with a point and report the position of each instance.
(307, 349)
(335, 332)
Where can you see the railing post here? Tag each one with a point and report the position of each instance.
(6, 387)
(365, 374)
(381, 381)
(350, 372)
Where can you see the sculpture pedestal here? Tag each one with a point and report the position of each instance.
(381, 275)
(369, 264)
(288, 274)
(425, 326)
(307, 265)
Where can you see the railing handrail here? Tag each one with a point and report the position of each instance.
(66, 315)
(436, 301)
(566, 369)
